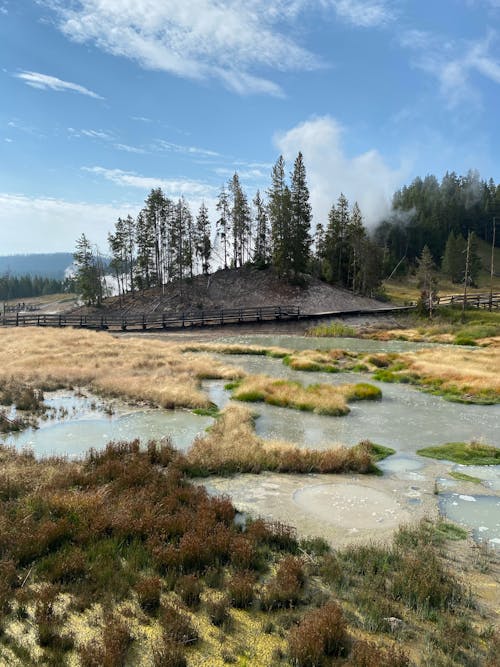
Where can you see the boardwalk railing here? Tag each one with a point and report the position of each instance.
(472, 300)
(155, 320)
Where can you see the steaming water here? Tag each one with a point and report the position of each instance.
(87, 425)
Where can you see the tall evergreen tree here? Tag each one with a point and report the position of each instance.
(224, 223)
(89, 273)
(240, 221)
(279, 216)
(203, 242)
(299, 239)
(262, 250)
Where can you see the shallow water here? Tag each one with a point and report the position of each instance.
(87, 425)
(406, 419)
(315, 343)
(478, 512)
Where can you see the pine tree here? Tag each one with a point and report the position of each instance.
(88, 272)
(144, 267)
(203, 242)
(262, 253)
(240, 220)
(224, 222)
(355, 237)
(427, 280)
(299, 239)
(279, 214)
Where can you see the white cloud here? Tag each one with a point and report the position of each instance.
(92, 134)
(198, 39)
(43, 224)
(47, 82)
(189, 150)
(130, 149)
(171, 187)
(364, 178)
(454, 63)
(364, 13)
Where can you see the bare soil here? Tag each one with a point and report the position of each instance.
(235, 288)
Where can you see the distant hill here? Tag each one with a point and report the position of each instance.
(47, 265)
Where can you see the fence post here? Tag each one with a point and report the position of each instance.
(144, 324)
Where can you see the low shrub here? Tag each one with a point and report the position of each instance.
(320, 634)
(285, 589)
(241, 589)
(176, 626)
(148, 590)
(369, 654)
(113, 648)
(168, 653)
(189, 588)
(218, 611)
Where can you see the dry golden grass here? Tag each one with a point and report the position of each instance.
(232, 446)
(223, 348)
(475, 370)
(322, 399)
(137, 369)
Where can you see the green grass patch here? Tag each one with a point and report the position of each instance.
(362, 391)
(450, 531)
(211, 411)
(462, 477)
(466, 453)
(331, 329)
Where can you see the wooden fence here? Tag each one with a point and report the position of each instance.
(129, 321)
(472, 300)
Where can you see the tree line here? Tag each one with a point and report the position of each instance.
(167, 243)
(440, 215)
(22, 287)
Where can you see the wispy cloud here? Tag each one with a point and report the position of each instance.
(244, 174)
(47, 82)
(130, 149)
(364, 13)
(187, 150)
(228, 40)
(172, 187)
(91, 134)
(454, 63)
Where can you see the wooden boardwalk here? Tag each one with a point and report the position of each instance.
(163, 321)
(127, 321)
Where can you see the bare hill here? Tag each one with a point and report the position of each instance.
(244, 287)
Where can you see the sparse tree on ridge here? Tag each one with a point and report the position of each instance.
(262, 251)
(223, 222)
(279, 214)
(203, 242)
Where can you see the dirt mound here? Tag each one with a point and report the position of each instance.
(234, 288)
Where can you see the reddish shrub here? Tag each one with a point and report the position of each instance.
(368, 654)
(177, 627)
(148, 592)
(320, 634)
(189, 589)
(241, 589)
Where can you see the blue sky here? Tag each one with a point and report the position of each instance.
(101, 100)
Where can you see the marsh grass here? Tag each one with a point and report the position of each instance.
(231, 446)
(322, 399)
(331, 329)
(149, 371)
(115, 549)
(468, 376)
(462, 477)
(466, 453)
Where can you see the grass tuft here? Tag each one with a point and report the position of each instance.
(466, 453)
